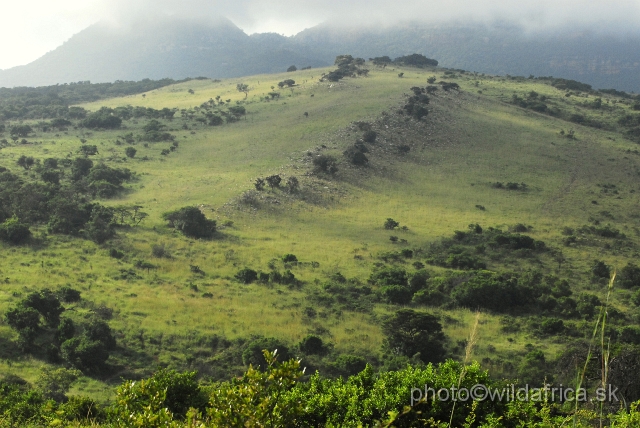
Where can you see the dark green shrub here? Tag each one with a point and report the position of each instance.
(191, 222)
(252, 354)
(397, 294)
(551, 326)
(325, 164)
(389, 276)
(246, 275)
(312, 345)
(409, 333)
(101, 227)
(600, 269)
(629, 276)
(349, 365)
(14, 231)
(369, 136)
(103, 118)
(68, 294)
(80, 168)
(391, 224)
(355, 156)
(289, 258)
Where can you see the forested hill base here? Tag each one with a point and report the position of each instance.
(382, 226)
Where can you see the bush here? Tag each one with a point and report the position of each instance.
(130, 152)
(326, 164)
(246, 275)
(289, 258)
(356, 156)
(191, 222)
(88, 150)
(391, 224)
(389, 276)
(369, 136)
(629, 276)
(312, 345)
(416, 60)
(397, 294)
(349, 365)
(68, 294)
(14, 231)
(410, 333)
(253, 355)
(600, 269)
(101, 227)
(80, 168)
(103, 118)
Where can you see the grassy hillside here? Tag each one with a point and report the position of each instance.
(434, 176)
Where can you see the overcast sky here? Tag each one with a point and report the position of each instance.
(30, 28)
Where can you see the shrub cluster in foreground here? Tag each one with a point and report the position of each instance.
(280, 396)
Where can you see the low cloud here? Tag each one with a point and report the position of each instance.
(291, 16)
(36, 26)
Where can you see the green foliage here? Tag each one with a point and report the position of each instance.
(90, 350)
(600, 269)
(80, 168)
(104, 118)
(287, 82)
(88, 150)
(166, 389)
(55, 383)
(289, 258)
(389, 276)
(246, 275)
(412, 333)
(25, 161)
(20, 131)
(416, 60)
(390, 224)
(259, 397)
(629, 276)
(191, 222)
(348, 365)
(325, 164)
(355, 155)
(26, 322)
(312, 345)
(254, 355)
(130, 152)
(348, 66)
(101, 227)
(14, 231)
(56, 101)
(416, 105)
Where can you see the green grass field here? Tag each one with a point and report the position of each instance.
(468, 141)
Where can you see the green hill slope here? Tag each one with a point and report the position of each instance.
(174, 301)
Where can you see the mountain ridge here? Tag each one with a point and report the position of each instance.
(179, 48)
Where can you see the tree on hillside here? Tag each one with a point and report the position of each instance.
(191, 222)
(292, 68)
(243, 87)
(288, 83)
(410, 333)
(325, 163)
(416, 60)
(20, 131)
(381, 61)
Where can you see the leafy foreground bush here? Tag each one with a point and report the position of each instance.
(276, 397)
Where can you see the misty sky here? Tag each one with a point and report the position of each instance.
(30, 28)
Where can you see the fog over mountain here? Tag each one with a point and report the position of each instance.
(594, 43)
